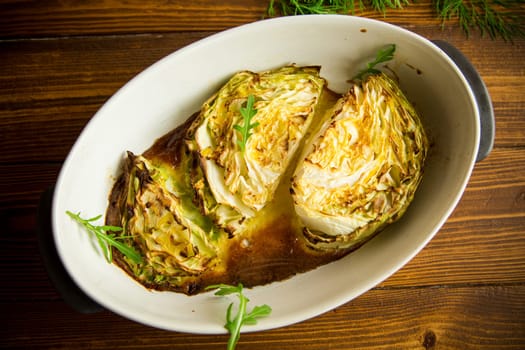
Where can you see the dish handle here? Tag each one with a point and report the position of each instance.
(56, 271)
(481, 93)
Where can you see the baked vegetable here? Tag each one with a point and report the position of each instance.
(160, 218)
(274, 176)
(362, 168)
(247, 133)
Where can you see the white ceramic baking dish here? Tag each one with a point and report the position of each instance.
(444, 87)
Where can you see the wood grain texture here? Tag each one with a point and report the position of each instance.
(411, 318)
(49, 89)
(62, 59)
(33, 18)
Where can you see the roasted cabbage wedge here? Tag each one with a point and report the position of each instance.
(285, 102)
(154, 202)
(361, 169)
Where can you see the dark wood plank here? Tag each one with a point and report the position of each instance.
(21, 185)
(31, 18)
(488, 317)
(49, 89)
(58, 69)
(22, 273)
(476, 252)
(35, 135)
(61, 60)
(496, 188)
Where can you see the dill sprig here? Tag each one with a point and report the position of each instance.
(320, 7)
(305, 7)
(503, 18)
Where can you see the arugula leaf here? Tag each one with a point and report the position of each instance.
(233, 325)
(247, 112)
(257, 312)
(107, 240)
(383, 55)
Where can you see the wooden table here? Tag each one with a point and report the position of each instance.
(61, 60)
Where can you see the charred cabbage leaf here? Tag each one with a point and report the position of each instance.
(362, 168)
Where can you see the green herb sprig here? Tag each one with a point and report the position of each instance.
(382, 56)
(247, 112)
(504, 18)
(243, 317)
(301, 7)
(306, 7)
(106, 239)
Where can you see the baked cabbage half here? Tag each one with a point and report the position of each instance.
(154, 203)
(286, 99)
(361, 169)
